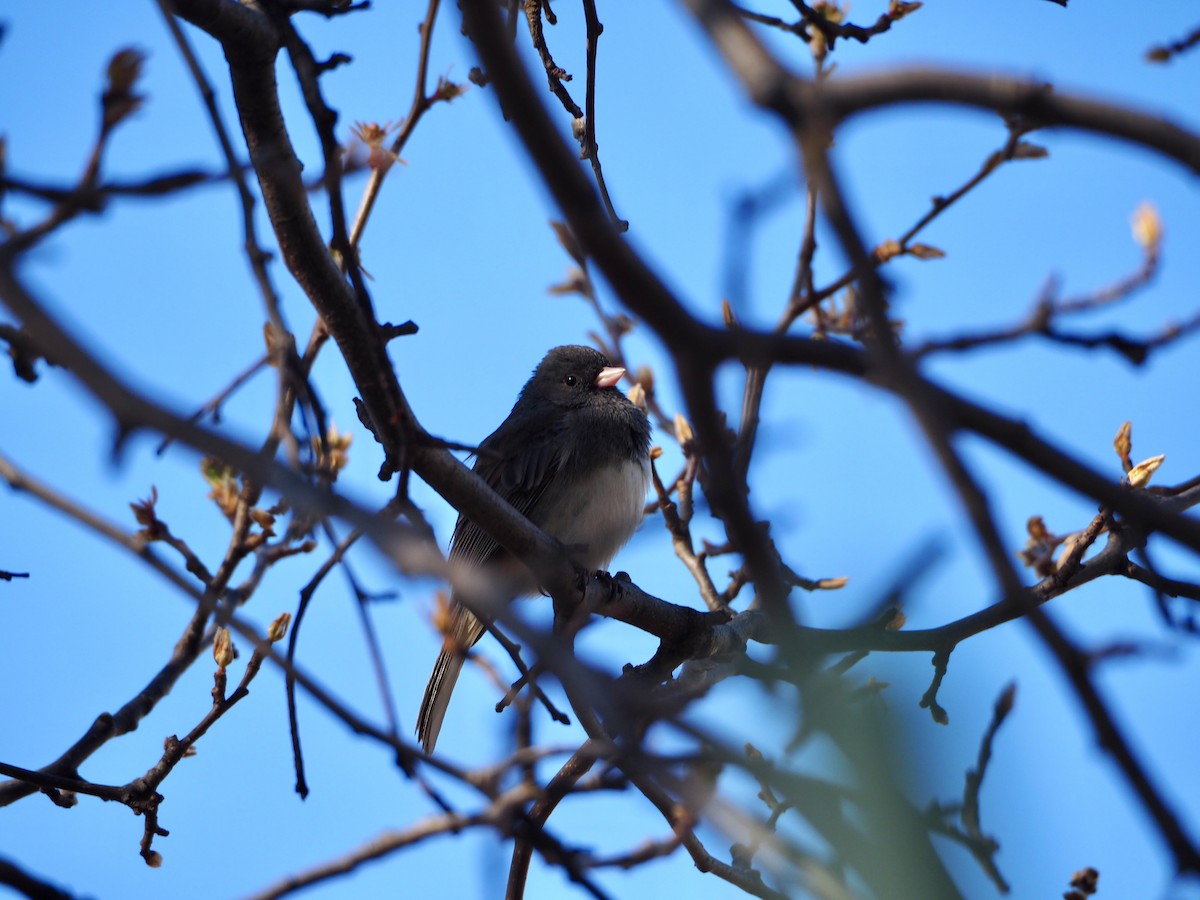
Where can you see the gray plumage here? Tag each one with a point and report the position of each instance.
(572, 456)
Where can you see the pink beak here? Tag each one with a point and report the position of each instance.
(609, 376)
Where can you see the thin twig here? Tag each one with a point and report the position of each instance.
(421, 103)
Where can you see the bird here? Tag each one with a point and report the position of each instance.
(573, 456)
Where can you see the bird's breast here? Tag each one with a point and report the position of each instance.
(596, 514)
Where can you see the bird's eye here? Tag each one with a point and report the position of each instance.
(571, 381)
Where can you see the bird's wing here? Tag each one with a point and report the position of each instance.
(518, 461)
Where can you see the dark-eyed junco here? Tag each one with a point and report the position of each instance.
(574, 457)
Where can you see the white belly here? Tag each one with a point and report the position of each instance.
(604, 512)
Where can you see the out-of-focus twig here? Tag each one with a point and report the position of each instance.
(1166, 52)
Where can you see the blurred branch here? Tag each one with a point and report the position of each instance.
(186, 651)
(1043, 317)
(213, 406)
(679, 818)
(1014, 148)
(974, 781)
(756, 376)
(670, 621)
(1168, 586)
(251, 53)
(797, 28)
(94, 198)
(1166, 52)
(555, 790)
(1035, 104)
(772, 87)
(390, 842)
(22, 351)
(29, 885)
(746, 211)
(118, 102)
(709, 646)
(828, 22)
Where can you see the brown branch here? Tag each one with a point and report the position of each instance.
(555, 74)
(1036, 104)
(1168, 586)
(117, 102)
(771, 86)
(748, 880)
(797, 28)
(974, 781)
(389, 842)
(681, 540)
(126, 719)
(532, 540)
(421, 103)
(257, 257)
(528, 677)
(831, 29)
(589, 149)
(1013, 148)
(251, 56)
(639, 288)
(559, 786)
(30, 885)
(306, 594)
(643, 853)
(1041, 320)
(213, 406)
(308, 72)
(94, 198)
(1165, 52)
(800, 299)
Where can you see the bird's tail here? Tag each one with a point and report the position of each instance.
(465, 631)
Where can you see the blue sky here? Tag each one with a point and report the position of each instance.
(460, 244)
